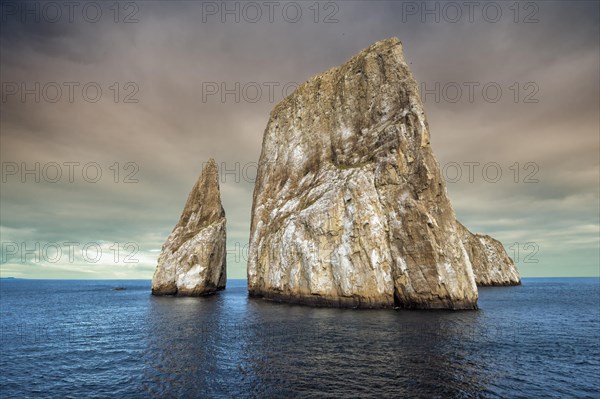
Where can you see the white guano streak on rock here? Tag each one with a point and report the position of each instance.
(349, 205)
(193, 259)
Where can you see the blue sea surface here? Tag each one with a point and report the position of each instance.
(82, 339)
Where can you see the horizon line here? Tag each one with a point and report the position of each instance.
(229, 279)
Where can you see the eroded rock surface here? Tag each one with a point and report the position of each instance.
(350, 208)
(193, 259)
(491, 263)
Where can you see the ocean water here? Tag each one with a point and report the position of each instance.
(81, 339)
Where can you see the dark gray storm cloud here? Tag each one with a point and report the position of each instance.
(159, 118)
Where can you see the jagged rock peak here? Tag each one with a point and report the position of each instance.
(491, 264)
(193, 259)
(349, 205)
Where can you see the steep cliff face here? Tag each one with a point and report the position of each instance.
(193, 259)
(491, 263)
(349, 205)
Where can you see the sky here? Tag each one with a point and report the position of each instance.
(109, 111)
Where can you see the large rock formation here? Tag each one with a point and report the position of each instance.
(193, 259)
(491, 263)
(349, 205)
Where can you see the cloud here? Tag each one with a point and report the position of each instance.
(165, 60)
